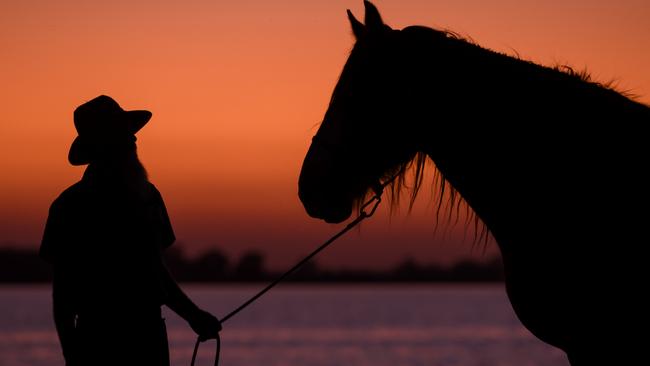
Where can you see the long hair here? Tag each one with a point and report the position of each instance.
(123, 170)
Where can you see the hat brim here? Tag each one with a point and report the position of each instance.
(136, 119)
(78, 154)
(79, 151)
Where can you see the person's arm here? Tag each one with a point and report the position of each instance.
(202, 322)
(64, 314)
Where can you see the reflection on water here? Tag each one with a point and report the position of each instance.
(361, 325)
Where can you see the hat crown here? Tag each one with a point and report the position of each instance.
(91, 117)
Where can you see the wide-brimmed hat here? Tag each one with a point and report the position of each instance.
(101, 122)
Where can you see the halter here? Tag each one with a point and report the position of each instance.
(372, 204)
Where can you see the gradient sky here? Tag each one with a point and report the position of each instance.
(236, 89)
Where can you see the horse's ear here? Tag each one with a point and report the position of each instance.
(373, 19)
(357, 27)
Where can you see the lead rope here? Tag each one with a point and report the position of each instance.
(372, 202)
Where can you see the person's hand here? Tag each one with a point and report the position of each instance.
(206, 325)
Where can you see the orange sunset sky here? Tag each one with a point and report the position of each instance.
(236, 89)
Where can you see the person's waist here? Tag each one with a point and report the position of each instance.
(106, 314)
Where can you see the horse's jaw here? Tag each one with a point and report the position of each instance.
(319, 206)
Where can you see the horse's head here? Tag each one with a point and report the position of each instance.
(362, 137)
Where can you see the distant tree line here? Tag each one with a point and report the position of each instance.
(24, 266)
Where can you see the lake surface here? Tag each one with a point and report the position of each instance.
(316, 325)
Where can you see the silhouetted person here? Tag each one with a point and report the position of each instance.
(104, 237)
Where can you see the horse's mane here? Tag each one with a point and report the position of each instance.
(410, 175)
(408, 178)
(583, 75)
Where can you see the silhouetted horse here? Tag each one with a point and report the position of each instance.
(553, 164)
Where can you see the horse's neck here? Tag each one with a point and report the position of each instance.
(471, 86)
(504, 131)
(472, 101)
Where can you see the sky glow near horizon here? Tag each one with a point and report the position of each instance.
(237, 89)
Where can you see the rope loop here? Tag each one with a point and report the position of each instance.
(374, 202)
(199, 340)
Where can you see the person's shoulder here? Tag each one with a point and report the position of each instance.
(154, 192)
(71, 194)
(153, 189)
(74, 189)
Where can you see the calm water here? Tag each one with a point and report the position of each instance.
(394, 325)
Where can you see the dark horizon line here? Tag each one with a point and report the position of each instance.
(213, 266)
